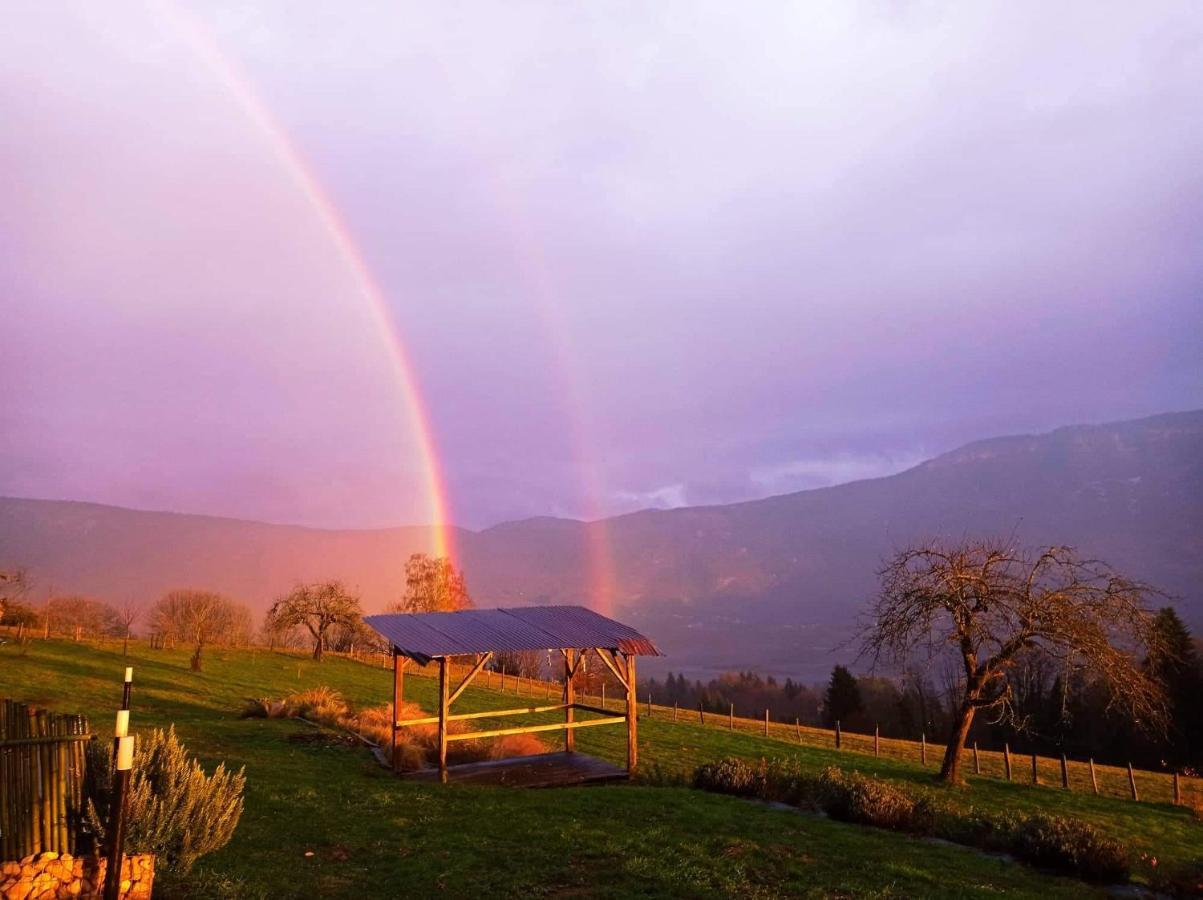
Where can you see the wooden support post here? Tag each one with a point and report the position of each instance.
(977, 762)
(1177, 789)
(701, 714)
(632, 731)
(923, 747)
(443, 687)
(569, 698)
(1064, 772)
(398, 684)
(649, 704)
(798, 729)
(116, 829)
(674, 711)
(1132, 782)
(603, 696)
(766, 723)
(1094, 781)
(837, 734)
(731, 718)
(1035, 771)
(1007, 760)
(877, 740)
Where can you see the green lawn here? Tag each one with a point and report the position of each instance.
(373, 835)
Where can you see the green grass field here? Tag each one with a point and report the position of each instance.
(371, 834)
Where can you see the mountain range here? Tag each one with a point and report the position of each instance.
(773, 584)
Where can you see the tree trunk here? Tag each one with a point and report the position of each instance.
(317, 649)
(950, 770)
(195, 662)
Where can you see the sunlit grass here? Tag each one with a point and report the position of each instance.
(373, 835)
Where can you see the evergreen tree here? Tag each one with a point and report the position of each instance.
(1177, 666)
(842, 698)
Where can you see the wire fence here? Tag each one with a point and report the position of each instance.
(1084, 776)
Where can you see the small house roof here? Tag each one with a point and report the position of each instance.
(426, 636)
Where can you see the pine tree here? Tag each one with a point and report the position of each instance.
(1177, 665)
(842, 698)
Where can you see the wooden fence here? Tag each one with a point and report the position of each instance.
(41, 780)
(1007, 764)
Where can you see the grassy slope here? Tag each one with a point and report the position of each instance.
(367, 829)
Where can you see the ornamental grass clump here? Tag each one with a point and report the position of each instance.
(175, 811)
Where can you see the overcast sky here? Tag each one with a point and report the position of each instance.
(642, 254)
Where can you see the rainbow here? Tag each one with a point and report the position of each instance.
(600, 577)
(600, 580)
(239, 87)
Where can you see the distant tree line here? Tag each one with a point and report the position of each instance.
(319, 616)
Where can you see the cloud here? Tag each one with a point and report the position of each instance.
(816, 472)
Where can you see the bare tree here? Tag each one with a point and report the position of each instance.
(13, 585)
(82, 616)
(128, 613)
(432, 584)
(526, 663)
(198, 617)
(319, 607)
(989, 607)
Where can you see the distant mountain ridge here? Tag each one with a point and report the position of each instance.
(770, 583)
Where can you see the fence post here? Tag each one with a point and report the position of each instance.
(923, 747)
(1177, 790)
(125, 761)
(766, 723)
(701, 714)
(603, 695)
(837, 734)
(1064, 772)
(876, 740)
(1035, 773)
(798, 729)
(1007, 760)
(649, 704)
(674, 709)
(731, 718)
(1132, 782)
(977, 763)
(1094, 781)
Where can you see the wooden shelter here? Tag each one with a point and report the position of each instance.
(478, 634)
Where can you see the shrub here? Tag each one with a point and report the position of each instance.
(1068, 845)
(175, 811)
(1176, 879)
(852, 797)
(728, 776)
(1056, 843)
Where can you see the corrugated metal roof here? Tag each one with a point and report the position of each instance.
(425, 636)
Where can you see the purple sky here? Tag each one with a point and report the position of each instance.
(640, 254)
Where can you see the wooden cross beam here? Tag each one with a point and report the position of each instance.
(472, 673)
(612, 664)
